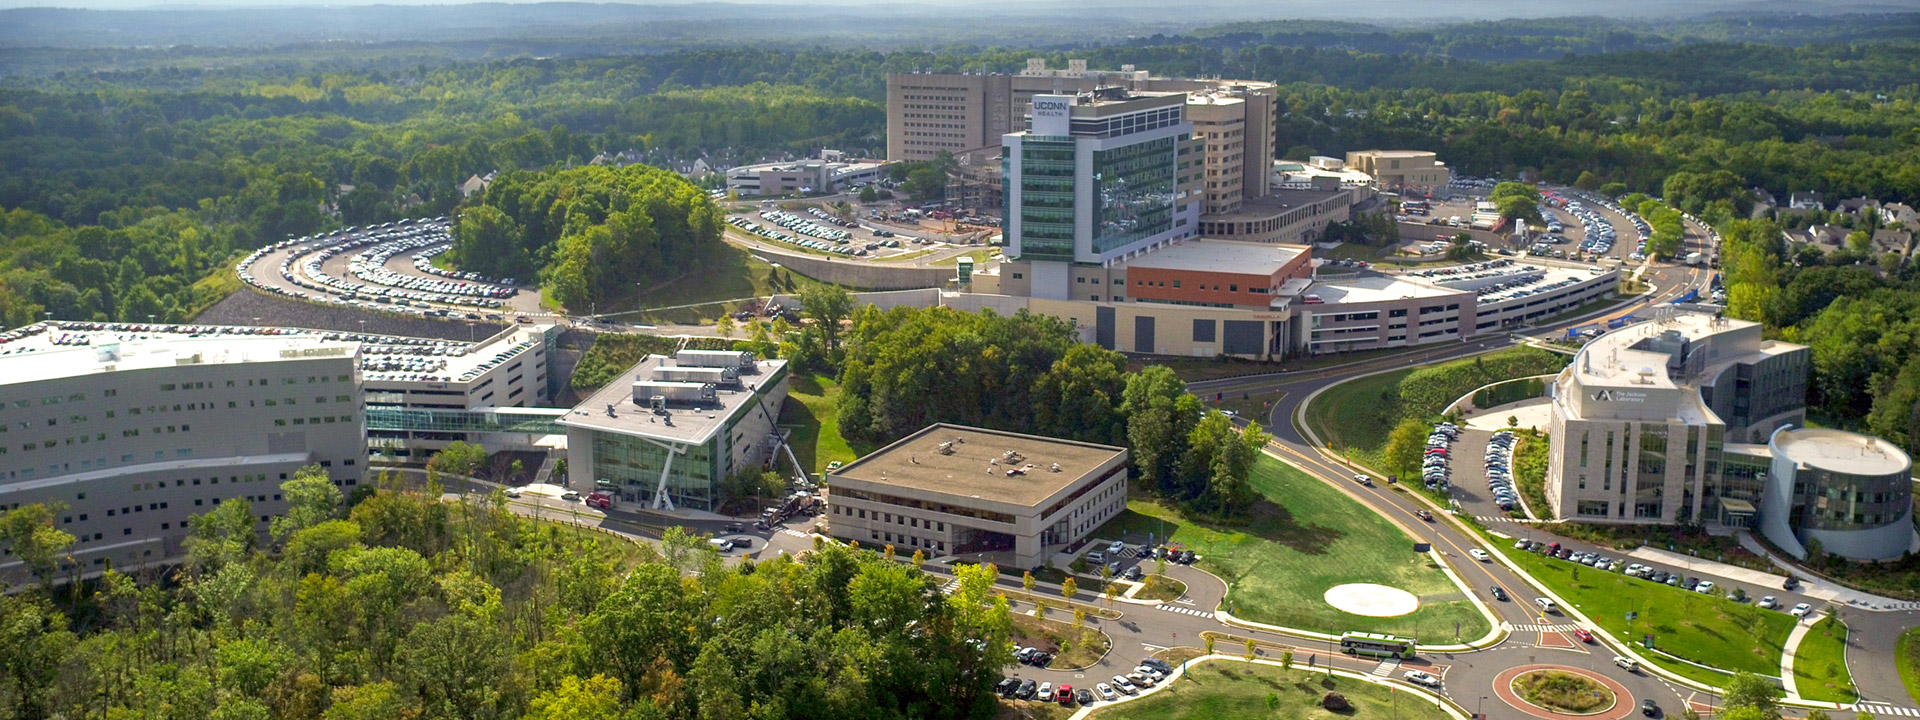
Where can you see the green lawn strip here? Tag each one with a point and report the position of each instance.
(1703, 628)
(1907, 658)
(812, 412)
(1820, 664)
(1230, 689)
(1354, 417)
(1048, 634)
(1302, 538)
(980, 258)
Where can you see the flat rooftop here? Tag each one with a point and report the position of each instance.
(1395, 153)
(1222, 256)
(1841, 451)
(1611, 358)
(52, 350)
(1373, 288)
(682, 423)
(977, 469)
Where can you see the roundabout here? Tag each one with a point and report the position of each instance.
(1371, 600)
(1559, 692)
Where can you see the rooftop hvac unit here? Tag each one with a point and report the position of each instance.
(946, 448)
(738, 359)
(673, 393)
(712, 375)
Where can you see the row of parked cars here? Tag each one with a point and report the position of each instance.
(1652, 574)
(837, 247)
(1500, 469)
(340, 291)
(1150, 672)
(1434, 468)
(803, 226)
(371, 265)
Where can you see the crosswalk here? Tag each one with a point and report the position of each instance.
(1385, 668)
(1185, 610)
(951, 586)
(1546, 628)
(1883, 710)
(793, 532)
(1505, 519)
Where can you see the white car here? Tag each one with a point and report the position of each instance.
(1046, 692)
(1769, 602)
(1151, 673)
(1480, 555)
(1419, 677)
(1800, 610)
(1106, 692)
(1626, 663)
(1705, 587)
(513, 492)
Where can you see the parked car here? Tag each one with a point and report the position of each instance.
(1106, 692)
(1083, 696)
(1769, 602)
(1800, 610)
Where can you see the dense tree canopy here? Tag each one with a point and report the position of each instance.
(408, 607)
(589, 231)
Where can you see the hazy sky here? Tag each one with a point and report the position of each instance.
(1407, 9)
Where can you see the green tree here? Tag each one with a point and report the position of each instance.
(1406, 445)
(1160, 415)
(1752, 692)
(312, 499)
(868, 194)
(1069, 588)
(594, 698)
(373, 701)
(1516, 201)
(459, 459)
(827, 305)
(30, 535)
(1079, 397)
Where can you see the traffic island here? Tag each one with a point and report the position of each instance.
(1558, 692)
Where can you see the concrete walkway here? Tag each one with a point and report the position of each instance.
(1787, 652)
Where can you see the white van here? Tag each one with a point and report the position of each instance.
(1545, 604)
(721, 544)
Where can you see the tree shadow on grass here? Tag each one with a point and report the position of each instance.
(1274, 523)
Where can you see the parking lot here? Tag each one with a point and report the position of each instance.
(385, 269)
(864, 236)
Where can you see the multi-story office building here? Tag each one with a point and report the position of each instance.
(494, 393)
(1099, 177)
(132, 433)
(1643, 417)
(1416, 171)
(953, 490)
(956, 112)
(670, 429)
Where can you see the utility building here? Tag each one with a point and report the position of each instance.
(952, 490)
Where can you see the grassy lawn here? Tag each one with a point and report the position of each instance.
(1084, 648)
(1356, 416)
(1349, 416)
(1907, 658)
(1706, 629)
(1032, 710)
(909, 255)
(1303, 538)
(980, 258)
(1230, 689)
(812, 410)
(1162, 588)
(1820, 665)
(738, 275)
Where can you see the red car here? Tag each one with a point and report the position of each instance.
(1065, 694)
(1585, 637)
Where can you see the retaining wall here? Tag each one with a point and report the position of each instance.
(862, 274)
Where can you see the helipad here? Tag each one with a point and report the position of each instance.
(1372, 600)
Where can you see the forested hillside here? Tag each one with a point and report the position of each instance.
(403, 607)
(589, 231)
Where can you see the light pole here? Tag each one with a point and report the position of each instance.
(1478, 706)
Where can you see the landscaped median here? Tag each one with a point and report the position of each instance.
(1906, 657)
(1701, 628)
(1355, 417)
(1224, 687)
(1301, 539)
(1820, 664)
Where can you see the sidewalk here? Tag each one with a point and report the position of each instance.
(1787, 652)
